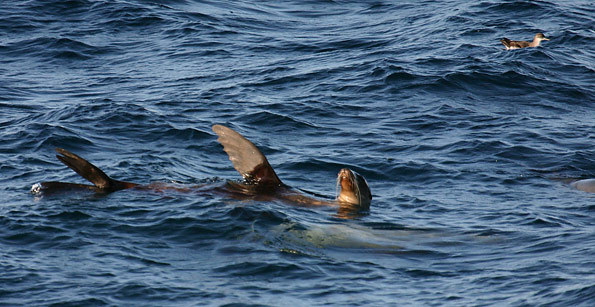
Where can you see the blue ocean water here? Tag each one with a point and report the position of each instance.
(468, 150)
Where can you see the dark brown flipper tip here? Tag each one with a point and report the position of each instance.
(91, 172)
(246, 157)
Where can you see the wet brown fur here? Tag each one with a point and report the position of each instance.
(259, 176)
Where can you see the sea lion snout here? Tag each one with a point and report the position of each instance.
(354, 188)
(344, 175)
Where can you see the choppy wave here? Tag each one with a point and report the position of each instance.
(468, 149)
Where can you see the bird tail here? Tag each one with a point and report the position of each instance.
(506, 42)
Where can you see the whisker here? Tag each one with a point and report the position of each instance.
(337, 187)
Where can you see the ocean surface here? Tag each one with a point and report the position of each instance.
(468, 149)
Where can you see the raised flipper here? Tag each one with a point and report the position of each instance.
(101, 181)
(246, 158)
(84, 168)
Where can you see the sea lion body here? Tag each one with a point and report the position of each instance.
(260, 180)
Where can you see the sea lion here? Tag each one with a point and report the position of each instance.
(258, 174)
(259, 177)
(523, 44)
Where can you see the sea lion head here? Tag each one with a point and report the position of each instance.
(354, 189)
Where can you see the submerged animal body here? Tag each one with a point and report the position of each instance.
(259, 177)
(586, 185)
(509, 44)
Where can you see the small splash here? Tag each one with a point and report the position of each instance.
(36, 189)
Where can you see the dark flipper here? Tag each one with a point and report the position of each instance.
(101, 181)
(246, 157)
(84, 168)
